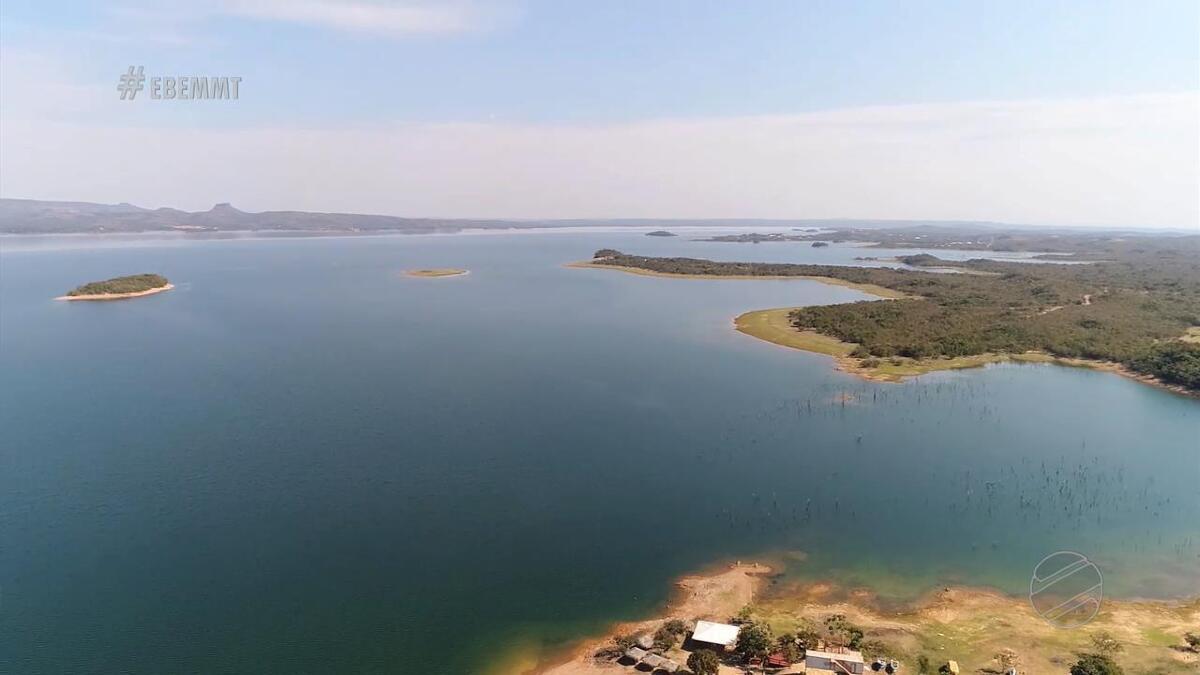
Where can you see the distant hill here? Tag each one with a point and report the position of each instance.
(28, 216)
(31, 216)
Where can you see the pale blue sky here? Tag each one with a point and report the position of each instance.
(524, 75)
(604, 61)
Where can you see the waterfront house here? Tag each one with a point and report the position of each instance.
(719, 636)
(833, 661)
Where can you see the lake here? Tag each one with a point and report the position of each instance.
(301, 461)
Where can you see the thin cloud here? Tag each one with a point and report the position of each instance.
(390, 18)
(1121, 161)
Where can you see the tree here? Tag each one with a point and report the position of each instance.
(807, 638)
(703, 662)
(923, 664)
(842, 631)
(753, 640)
(1106, 644)
(787, 647)
(1096, 664)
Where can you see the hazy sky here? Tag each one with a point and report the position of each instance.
(1032, 112)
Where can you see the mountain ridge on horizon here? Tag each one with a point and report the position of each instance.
(33, 216)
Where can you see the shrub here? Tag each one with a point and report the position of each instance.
(703, 662)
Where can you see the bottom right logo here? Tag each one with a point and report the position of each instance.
(1066, 589)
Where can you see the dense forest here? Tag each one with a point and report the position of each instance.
(1132, 304)
(135, 283)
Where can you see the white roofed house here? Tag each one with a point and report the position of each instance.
(833, 660)
(717, 636)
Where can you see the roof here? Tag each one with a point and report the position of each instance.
(635, 653)
(848, 655)
(778, 659)
(952, 666)
(715, 633)
(645, 642)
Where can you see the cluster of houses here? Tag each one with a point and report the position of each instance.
(721, 638)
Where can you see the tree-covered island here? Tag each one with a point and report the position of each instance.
(131, 286)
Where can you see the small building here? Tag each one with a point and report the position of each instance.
(711, 634)
(833, 660)
(778, 660)
(645, 641)
(952, 667)
(635, 653)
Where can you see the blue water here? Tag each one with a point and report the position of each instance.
(299, 461)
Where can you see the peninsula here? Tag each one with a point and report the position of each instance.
(119, 288)
(1132, 309)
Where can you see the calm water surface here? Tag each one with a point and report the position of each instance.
(301, 462)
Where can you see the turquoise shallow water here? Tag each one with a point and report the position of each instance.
(300, 461)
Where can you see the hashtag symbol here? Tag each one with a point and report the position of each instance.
(131, 83)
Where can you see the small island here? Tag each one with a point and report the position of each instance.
(119, 288)
(661, 233)
(436, 273)
(820, 244)
(754, 238)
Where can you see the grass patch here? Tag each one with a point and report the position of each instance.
(774, 325)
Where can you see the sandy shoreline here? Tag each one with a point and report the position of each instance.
(968, 624)
(117, 296)
(872, 289)
(717, 595)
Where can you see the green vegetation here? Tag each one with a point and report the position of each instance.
(753, 640)
(1096, 664)
(668, 634)
(1132, 306)
(703, 662)
(842, 632)
(786, 645)
(136, 283)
